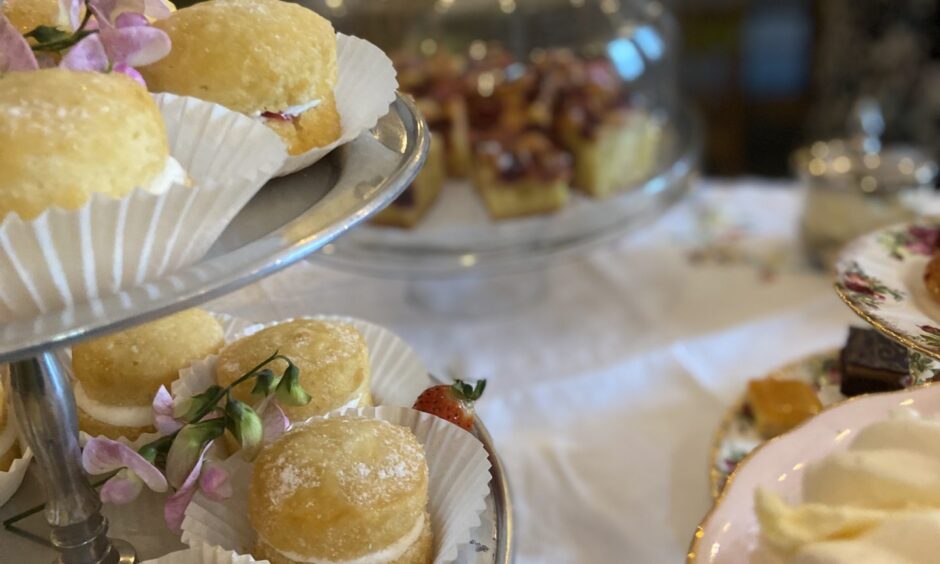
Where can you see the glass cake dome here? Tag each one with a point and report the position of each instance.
(554, 123)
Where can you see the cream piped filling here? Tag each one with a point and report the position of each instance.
(172, 173)
(293, 111)
(8, 435)
(116, 415)
(388, 554)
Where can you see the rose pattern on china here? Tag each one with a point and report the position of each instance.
(866, 289)
(914, 240)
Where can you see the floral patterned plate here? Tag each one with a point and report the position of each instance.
(881, 277)
(737, 434)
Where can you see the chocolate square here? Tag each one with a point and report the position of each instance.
(872, 363)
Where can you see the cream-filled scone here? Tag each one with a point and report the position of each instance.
(117, 376)
(343, 489)
(26, 15)
(9, 446)
(333, 359)
(271, 60)
(66, 135)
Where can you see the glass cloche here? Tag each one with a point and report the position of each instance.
(554, 123)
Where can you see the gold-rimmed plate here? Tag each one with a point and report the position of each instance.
(729, 533)
(881, 277)
(737, 433)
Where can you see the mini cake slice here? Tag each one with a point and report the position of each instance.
(522, 174)
(871, 363)
(408, 209)
(613, 147)
(779, 405)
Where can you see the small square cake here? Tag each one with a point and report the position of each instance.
(522, 174)
(613, 147)
(872, 363)
(779, 405)
(417, 199)
(437, 85)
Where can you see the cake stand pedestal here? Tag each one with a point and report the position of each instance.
(42, 400)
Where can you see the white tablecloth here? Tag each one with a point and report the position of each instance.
(604, 396)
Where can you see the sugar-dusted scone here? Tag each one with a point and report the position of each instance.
(272, 60)
(332, 357)
(9, 446)
(408, 209)
(779, 405)
(339, 490)
(27, 15)
(66, 135)
(524, 174)
(117, 376)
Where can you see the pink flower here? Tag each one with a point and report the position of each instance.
(206, 476)
(120, 45)
(163, 418)
(273, 420)
(15, 52)
(102, 455)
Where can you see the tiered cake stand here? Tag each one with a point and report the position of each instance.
(325, 201)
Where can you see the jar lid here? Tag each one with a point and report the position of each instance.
(844, 164)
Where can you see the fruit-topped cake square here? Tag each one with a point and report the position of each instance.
(614, 144)
(417, 199)
(437, 85)
(522, 173)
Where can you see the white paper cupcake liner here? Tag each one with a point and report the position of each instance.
(12, 479)
(364, 90)
(457, 490)
(65, 257)
(398, 375)
(204, 554)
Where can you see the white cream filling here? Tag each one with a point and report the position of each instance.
(8, 435)
(172, 173)
(116, 415)
(387, 554)
(292, 111)
(354, 402)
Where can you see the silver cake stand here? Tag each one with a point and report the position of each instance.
(288, 220)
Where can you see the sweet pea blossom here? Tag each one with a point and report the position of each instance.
(102, 455)
(163, 413)
(207, 476)
(15, 52)
(119, 46)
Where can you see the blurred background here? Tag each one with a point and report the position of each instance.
(769, 76)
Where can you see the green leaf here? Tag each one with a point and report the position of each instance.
(47, 34)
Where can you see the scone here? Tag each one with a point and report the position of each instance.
(9, 446)
(27, 15)
(333, 359)
(117, 376)
(66, 135)
(409, 208)
(272, 60)
(343, 489)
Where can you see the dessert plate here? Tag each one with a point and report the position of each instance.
(737, 433)
(880, 276)
(729, 534)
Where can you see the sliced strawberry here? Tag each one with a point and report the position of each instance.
(452, 402)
